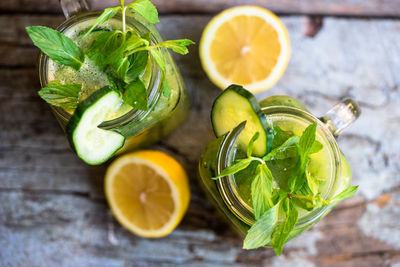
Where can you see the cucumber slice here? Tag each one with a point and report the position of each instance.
(235, 105)
(92, 144)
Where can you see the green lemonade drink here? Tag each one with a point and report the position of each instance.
(110, 79)
(167, 114)
(294, 178)
(91, 76)
(321, 165)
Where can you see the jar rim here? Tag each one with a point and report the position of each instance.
(224, 158)
(155, 84)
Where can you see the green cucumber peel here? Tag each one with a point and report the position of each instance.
(91, 143)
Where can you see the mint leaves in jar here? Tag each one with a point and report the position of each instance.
(286, 183)
(103, 67)
(121, 53)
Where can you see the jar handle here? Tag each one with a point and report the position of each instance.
(71, 7)
(341, 116)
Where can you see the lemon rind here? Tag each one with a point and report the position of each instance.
(175, 194)
(217, 21)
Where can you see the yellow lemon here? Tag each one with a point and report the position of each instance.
(148, 192)
(246, 45)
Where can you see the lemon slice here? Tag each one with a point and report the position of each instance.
(148, 192)
(246, 45)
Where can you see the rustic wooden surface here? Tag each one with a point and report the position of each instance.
(375, 8)
(52, 206)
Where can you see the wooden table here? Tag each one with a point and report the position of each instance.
(52, 206)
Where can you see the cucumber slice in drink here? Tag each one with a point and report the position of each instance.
(235, 105)
(92, 144)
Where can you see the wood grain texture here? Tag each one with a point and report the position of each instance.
(377, 8)
(52, 206)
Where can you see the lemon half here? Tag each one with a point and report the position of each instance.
(148, 192)
(246, 45)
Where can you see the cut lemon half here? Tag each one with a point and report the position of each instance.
(246, 45)
(148, 192)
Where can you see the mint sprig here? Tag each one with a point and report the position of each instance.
(122, 54)
(178, 46)
(107, 14)
(306, 147)
(348, 192)
(121, 67)
(57, 46)
(261, 190)
(275, 209)
(260, 234)
(312, 181)
(135, 95)
(234, 168)
(137, 65)
(286, 150)
(283, 229)
(107, 48)
(61, 95)
(144, 8)
(126, 53)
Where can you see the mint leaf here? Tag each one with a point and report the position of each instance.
(134, 42)
(120, 67)
(316, 147)
(298, 176)
(283, 229)
(57, 46)
(236, 167)
(144, 8)
(312, 182)
(250, 146)
(307, 139)
(305, 145)
(178, 46)
(115, 81)
(158, 58)
(286, 150)
(62, 95)
(348, 192)
(137, 65)
(261, 190)
(135, 95)
(107, 14)
(107, 48)
(294, 140)
(260, 232)
(280, 136)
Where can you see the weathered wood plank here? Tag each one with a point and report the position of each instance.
(67, 225)
(13, 32)
(85, 228)
(337, 7)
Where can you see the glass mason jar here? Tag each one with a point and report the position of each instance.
(220, 153)
(165, 113)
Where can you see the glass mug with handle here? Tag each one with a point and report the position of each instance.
(232, 194)
(165, 112)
